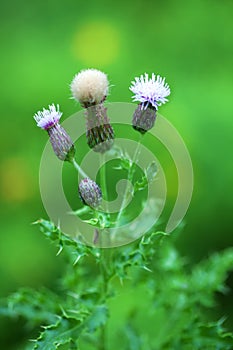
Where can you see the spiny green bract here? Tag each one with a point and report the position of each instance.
(160, 304)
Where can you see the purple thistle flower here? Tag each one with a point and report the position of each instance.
(48, 120)
(90, 193)
(150, 92)
(48, 117)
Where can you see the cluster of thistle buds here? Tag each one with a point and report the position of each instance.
(90, 88)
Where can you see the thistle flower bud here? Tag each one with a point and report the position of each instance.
(150, 93)
(90, 193)
(100, 134)
(143, 120)
(48, 119)
(61, 142)
(90, 87)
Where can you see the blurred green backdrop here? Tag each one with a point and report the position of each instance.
(44, 44)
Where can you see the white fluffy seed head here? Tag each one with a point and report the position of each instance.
(90, 87)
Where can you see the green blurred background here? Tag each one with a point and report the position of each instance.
(44, 44)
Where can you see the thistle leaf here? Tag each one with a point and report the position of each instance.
(64, 331)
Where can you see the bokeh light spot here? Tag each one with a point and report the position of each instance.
(96, 43)
(15, 180)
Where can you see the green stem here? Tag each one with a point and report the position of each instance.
(77, 167)
(102, 344)
(105, 280)
(82, 211)
(130, 179)
(103, 179)
(103, 186)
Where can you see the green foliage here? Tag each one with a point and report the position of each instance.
(35, 306)
(125, 162)
(170, 308)
(150, 174)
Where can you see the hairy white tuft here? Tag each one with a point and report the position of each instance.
(90, 87)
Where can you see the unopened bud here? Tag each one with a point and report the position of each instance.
(90, 193)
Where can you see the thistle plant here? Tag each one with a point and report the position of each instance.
(140, 296)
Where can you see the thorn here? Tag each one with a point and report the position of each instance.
(74, 295)
(63, 311)
(74, 311)
(36, 222)
(60, 250)
(77, 260)
(147, 269)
